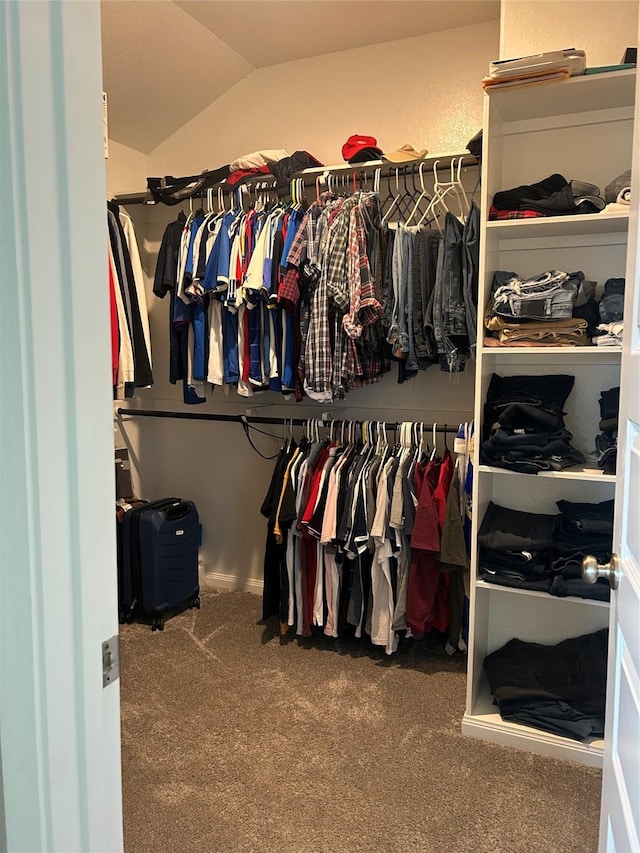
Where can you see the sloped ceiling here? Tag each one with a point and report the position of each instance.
(164, 61)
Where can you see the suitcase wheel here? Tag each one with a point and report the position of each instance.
(196, 602)
(157, 623)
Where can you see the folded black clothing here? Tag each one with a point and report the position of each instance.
(504, 529)
(522, 402)
(288, 166)
(607, 441)
(511, 199)
(553, 196)
(563, 586)
(570, 540)
(553, 716)
(608, 461)
(515, 415)
(548, 391)
(569, 565)
(556, 451)
(590, 312)
(533, 564)
(583, 512)
(554, 456)
(563, 202)
(573, 671)
(610, 402)
(522, 466)
(507, 439)
(170, 190)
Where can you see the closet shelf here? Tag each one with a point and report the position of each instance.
(583, 94)
(534, 593)
(485, 722)
(584, 473)
(604, 355)
(559, 226)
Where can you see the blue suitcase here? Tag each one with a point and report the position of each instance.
(159, 556)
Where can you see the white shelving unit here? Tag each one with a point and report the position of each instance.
(581, 128)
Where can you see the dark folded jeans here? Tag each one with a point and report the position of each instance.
(556, 717)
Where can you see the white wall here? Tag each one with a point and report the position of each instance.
(126, 169)
(424, 91)
(603, 28)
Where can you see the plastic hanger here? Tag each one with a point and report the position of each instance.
(436, 201)
(435, 448)
(424, 194)
(394, 199)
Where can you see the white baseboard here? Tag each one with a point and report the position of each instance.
(221, 580)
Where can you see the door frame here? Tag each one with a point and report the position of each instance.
(60, 766)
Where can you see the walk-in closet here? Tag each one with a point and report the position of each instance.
(369, 307)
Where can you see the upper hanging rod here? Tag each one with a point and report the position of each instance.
(309, 176)
(260, 419)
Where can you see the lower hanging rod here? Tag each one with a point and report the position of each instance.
(260, 419)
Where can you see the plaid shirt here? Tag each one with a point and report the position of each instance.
(494, 214)
(302, 247)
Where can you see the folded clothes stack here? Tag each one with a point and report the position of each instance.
(553, 308)
(544, 552)
(523, 428)
(559, 689)
(607, 440)
(552, 196)
(581, 529)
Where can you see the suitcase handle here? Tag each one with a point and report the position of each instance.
(177, 511)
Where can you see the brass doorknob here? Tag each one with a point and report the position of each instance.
(592, 570)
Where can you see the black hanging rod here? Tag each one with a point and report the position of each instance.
(260, 419)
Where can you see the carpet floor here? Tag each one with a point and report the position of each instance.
(235, 741)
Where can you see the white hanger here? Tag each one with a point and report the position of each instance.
(424, 194)
(395, 201)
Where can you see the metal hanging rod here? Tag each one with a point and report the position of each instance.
(309, 176)
(260, 419)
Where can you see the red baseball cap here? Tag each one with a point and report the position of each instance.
(356, 145)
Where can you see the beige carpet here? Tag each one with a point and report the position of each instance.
(233, 741)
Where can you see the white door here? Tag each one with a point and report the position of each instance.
(620, 815)
(60, 783)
